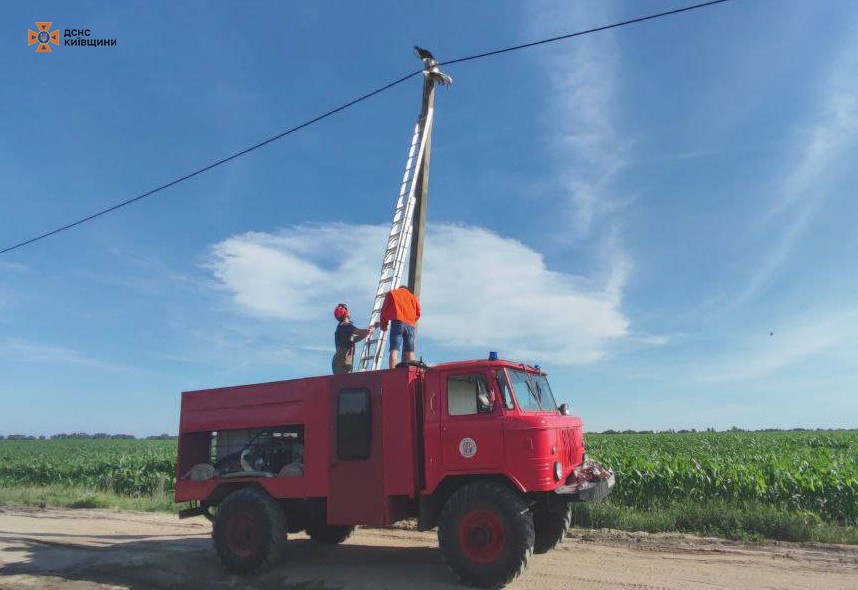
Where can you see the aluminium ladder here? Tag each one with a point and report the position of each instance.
(399, 239)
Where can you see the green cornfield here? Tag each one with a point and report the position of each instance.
(800, 472)
(812, 471)
(125, 467)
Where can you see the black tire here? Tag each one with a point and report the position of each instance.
(486, 534)
(249, 531)
(329, 535)
(551, 526)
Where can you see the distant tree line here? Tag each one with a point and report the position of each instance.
(712, 430)
(102, 435)
(87, 436)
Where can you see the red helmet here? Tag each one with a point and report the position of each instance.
(341, 311)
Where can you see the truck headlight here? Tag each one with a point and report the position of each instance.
(558, 471)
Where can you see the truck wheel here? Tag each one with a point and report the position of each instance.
(551, 527)
(329, 535)
(486, 534)
(249, 531)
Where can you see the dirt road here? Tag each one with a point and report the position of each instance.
(88, 549)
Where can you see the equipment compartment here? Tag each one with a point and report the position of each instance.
(276, 451)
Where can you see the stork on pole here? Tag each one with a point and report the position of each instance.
(409, 219)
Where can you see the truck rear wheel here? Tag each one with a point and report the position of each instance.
(249, 531)
(486, 534)
(329, 535)
(551, 526)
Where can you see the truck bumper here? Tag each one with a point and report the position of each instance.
(589, 482)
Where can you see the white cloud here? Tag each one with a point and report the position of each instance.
(286, 275)
(480, 290)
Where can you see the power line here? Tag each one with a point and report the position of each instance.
(580, 33)
(343, 107)
(210, 166)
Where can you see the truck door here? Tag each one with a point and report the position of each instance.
(356, 494)
(471, 425)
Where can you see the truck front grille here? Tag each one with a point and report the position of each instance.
(567, 446)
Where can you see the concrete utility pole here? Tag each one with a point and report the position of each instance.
(431, 77)
(409, 218)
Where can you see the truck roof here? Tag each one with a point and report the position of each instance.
(481, 363)
(452, 365)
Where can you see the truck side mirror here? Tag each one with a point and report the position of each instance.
(564, 409)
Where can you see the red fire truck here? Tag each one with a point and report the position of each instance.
(476, 448)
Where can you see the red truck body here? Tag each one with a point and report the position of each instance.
(415, 442)
(376, 447)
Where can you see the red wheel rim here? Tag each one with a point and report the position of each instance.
(242, 534)
(481, 536)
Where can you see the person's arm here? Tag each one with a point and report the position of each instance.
(361, 333)
(417, 305)
(386, 311)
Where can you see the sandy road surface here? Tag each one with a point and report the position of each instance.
(87, 549)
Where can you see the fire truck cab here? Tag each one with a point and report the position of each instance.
(476, 448)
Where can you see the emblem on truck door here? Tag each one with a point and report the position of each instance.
(468, 448)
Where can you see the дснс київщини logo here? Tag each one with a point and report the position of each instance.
(43, 37)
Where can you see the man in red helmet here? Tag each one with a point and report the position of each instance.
(345, 337)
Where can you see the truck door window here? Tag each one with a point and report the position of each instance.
(354, 424)
(468, 394)
(503, 387)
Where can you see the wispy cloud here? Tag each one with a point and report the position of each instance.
(27, 351)
(15, 267)
(819, 149)
(481, 290)
(807, 337)
(589, 152)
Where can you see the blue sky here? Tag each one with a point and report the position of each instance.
(634, 210)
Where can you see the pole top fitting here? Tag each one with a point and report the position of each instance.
(431, 67)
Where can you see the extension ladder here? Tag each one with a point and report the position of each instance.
(398, 244)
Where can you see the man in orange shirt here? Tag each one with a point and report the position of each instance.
(402, 309)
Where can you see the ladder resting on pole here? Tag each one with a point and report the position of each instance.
(399, 239)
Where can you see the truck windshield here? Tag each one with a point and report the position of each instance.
(532, 391)
(546, 397)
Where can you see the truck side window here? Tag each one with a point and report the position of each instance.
(468, 394)
(354, 424)
(503, 387)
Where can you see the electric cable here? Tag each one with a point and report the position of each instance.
(343, 107)
(581, 33)
(212, 165)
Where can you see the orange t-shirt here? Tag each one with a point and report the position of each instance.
(400, 304)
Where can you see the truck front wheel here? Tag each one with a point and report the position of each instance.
(551, 526)
(486, 534)
(329, 535)
(249, 531)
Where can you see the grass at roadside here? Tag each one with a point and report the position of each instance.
(743, 521)
(77, 497)
(748, 521)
